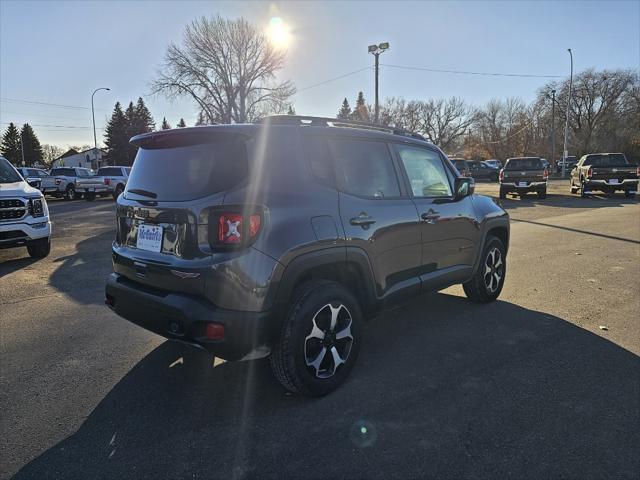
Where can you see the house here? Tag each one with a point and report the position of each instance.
(92, 158)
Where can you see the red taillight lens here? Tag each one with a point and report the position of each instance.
(590, 172)
(232, 229)
(545, 175)
(638, 172)
(215, 331)
(501, 175)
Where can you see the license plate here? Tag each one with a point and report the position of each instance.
(91, 189)
(522, 184)
(149, 238)
(613, 180)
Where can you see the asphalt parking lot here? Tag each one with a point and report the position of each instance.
(543, 383)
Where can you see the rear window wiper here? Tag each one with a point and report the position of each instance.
(144, 193)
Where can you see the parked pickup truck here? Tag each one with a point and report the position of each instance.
(73, 182)
(115, 178)
(33, 176)
(522, 175)
(605, 172)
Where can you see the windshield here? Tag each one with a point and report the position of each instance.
(524, 164)
(606, 160)
(7, 172)
(187, 172)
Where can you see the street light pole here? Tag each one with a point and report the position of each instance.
(376, 50)
(566, 120)
(553, 128)
(93, 115)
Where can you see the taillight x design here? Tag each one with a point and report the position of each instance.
(237, 228)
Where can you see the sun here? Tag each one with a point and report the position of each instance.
(278, 33)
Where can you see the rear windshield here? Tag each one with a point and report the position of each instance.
(109, 172)
(65, 172)
(524, 164)
(611, 160)
(459, 164)
(187, 172)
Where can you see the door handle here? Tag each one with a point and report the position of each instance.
(362, 220)
(430, 216)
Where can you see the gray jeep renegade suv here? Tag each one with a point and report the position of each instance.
(281, 238)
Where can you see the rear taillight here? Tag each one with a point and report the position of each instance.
(545, 175)
(501, 175)
(638, 172)
(236, 228)
(215, 331)
(590, 172)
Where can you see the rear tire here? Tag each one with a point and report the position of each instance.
(542, 194)
(486, 284)
(583, 192)
(39, 248)
(89, 197)
(70, 193)
(116, 193)
(320, 339)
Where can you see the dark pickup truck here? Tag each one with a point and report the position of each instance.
(604, 172)
(522, 175)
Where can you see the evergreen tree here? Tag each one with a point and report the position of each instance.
(31, 146)
(165, 124)
(117, 137)
(291, 111)
(143, 120)
(345, 111)
(201, 119)
(181, 123)
(360, 112)
(10, 147)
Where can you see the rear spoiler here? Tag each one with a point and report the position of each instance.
(178, 137)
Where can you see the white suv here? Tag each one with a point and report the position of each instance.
(24, 215)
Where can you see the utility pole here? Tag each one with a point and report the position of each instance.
(553, 129)
(566, 120)
(22, 146)
(93, 115)
(376, 50)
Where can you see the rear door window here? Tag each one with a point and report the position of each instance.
(364, 168)
(188, 172)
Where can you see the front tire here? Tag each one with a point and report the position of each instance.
(39, 248)
(320, 339)
(486, 284)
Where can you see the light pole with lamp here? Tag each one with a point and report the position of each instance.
(93, 115)
(376, 50)
(566, 120)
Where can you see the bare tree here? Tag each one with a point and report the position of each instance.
(445, 121)
(228, 68)
(50, 153)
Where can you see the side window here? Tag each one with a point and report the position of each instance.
(320, 160)
(364, 168)
(427, 174)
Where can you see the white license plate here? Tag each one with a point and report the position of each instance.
(613, 180)
(522, 184)
(91, 189)
(149, 238)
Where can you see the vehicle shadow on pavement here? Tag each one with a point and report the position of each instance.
(14, 264)
(563, 201)
(82, 275)
(442, 388)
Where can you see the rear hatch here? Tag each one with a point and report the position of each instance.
(163, 216)
(523, 171)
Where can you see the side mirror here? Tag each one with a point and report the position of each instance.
(464, 186)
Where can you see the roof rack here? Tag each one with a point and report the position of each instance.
(336, 122)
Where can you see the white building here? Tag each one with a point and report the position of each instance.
(93, 158)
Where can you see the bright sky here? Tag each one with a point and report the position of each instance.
(59, 52)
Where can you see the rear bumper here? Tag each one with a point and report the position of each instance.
(91, 189)
(184, 318)
(20, 234)
(629, 184)
(530, 187)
